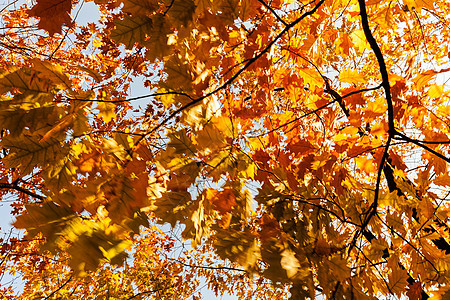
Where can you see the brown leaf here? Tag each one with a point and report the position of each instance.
(415, 291)
(53, 14)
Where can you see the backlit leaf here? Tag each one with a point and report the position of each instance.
(132, 30)
(53, 14)
(27, 152)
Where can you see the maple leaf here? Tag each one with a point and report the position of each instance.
(415, 291)
(131, 30)
(223, 201)
(140, 8)
(28, 153)
(351, 76)
(53, 14)
(181, 11)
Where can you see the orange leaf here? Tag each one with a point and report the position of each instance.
(223, 201)
(415, 291)
(53, 14)
(322, 247)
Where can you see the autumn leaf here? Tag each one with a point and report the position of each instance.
(181, 12)
(305, 145)
(351, 76)
(53, 14)
(223, 201)
(28, 153)
(140, 8)
(359, 40)
(131, 30)
(397, 281)
(106, 110)
(415, 291)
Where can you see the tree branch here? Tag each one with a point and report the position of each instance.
(238, 73)
(20, 189)
(59, 288)
(419, 143)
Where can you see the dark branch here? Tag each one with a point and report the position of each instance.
(20, 189)
(55, 291)
(420, 144)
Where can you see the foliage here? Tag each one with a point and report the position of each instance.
(307, 142)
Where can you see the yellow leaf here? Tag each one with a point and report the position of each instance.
(338, 267)
(311, 78)
(166, 97)
(27, 152)
(343, 44)
(107, 110)
(158, 43)
(25, 80)
(395, 221)
(418, 4)
(378, 106)
(359, 40)
(53, 72)
(180, 76)
(94, 74)
(365, 164)
(436, 91)
(351, 76)
(424, 78)
(210, 139)
(239, 246)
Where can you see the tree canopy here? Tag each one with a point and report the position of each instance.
(301, 146)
